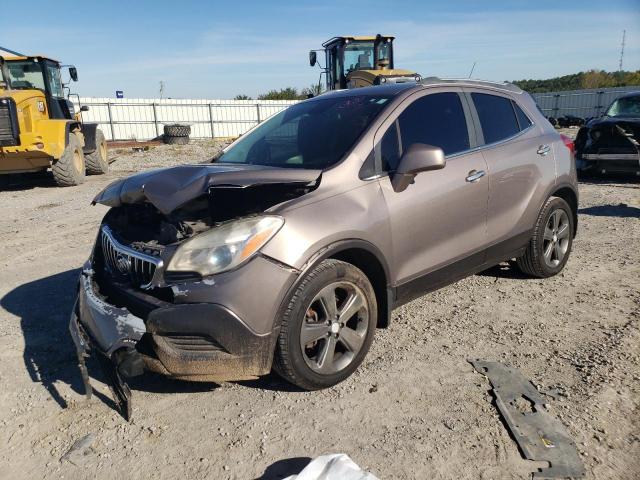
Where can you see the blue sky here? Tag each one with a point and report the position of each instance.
(219, 49)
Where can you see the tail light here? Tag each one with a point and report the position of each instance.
(568, 142)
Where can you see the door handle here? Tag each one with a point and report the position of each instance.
(475, 175)
(543, 149)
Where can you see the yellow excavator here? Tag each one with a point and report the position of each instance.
(352, 62)
(40, 127)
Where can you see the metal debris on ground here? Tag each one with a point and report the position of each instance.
(79, 449)
(540, 436)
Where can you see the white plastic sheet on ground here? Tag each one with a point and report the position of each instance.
(337, 466)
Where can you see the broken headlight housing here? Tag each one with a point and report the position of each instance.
(224, 247)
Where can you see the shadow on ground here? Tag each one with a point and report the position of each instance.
(26, 181)
(622, 210)
(505, 270)
(284, 468)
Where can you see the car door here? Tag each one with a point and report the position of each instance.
(438, 224)
(520, 166)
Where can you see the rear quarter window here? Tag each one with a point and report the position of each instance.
(497, 117)
(523, 120)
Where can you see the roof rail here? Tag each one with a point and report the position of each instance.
(471, 81)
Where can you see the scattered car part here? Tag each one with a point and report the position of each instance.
(611, 143)
(540, 436)
(80, 448)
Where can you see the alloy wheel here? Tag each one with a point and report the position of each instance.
(334, 328)
(556, 238)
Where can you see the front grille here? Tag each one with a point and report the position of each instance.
(121, 260)
(8, 123)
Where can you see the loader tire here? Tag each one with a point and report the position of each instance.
(175, 140)
(177, 130)
(68, 170)
(97, 162)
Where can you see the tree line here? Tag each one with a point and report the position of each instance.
(581, 80)
(288, 93)
(575, 81)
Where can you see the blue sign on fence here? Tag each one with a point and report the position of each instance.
(119, 94)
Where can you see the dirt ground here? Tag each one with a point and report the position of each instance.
(415, 409)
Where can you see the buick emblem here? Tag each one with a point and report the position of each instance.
(123, 262)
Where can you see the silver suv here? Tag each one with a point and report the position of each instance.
(294, 245)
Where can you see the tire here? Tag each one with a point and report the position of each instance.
(177, 130)
(175, 140)
(68, 171)
(97, 162)
(335, 283)
(550, 246)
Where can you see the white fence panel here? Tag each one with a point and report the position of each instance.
(144, 119)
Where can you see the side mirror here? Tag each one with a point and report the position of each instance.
(73, 72)
(417, 158)
(84, 108)
(313, 58)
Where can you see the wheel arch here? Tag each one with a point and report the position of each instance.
(368, 258)
(569, 195)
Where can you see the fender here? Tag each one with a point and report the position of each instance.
(385, 301)
(89, 132)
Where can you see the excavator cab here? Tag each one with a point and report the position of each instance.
(352, 62)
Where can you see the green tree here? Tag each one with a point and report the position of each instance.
(242, 97)
(288, 93)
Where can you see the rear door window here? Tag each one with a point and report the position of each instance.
(497, 117)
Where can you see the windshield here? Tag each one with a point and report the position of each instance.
(358, 56)
(625, 107)
(314, 134)
(25, 75)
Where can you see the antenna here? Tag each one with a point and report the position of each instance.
(472, 69)
(624, 36)
(161, 89)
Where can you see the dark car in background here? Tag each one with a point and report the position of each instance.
(611, 143)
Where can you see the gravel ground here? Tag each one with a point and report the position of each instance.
(415, 409)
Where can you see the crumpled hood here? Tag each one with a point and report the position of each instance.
(170, 188)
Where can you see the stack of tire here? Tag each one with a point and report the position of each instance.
(176, 134)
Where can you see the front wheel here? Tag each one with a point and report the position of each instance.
(550, 246)
(69, 169)
(97, 162)
(328, 326)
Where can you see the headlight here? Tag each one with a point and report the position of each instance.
(225, 247)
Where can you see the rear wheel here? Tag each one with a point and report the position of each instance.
(69, 169)
(328, 326)
(97, 162)
(550, 246)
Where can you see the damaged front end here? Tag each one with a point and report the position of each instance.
(137, 314)
(609, 144)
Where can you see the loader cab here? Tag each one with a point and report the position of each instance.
(345, 55)
(39, 73)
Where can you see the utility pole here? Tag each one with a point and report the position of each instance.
(161, 89)
(624, 36)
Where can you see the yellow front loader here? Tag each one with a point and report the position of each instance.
(352, 62)
(39, 127)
